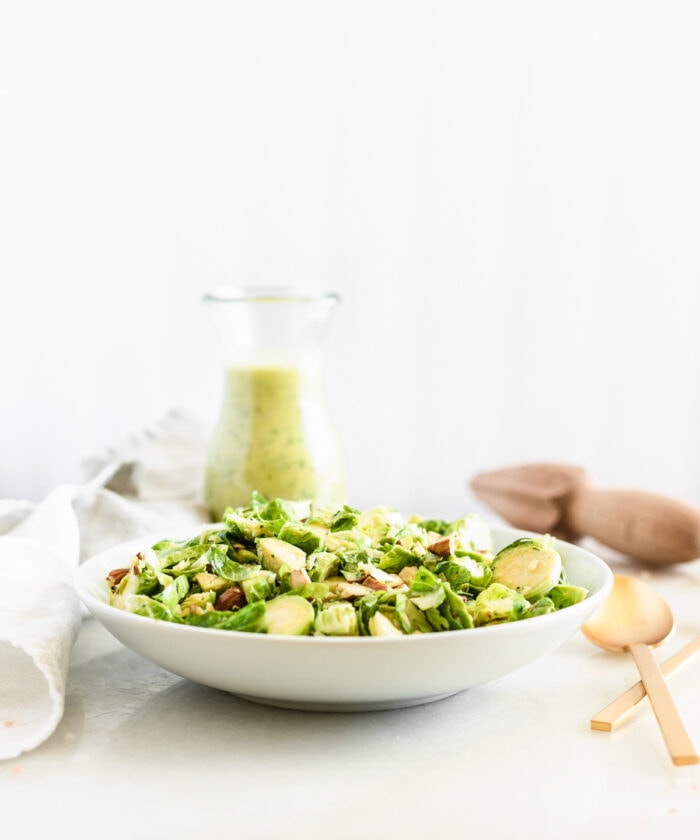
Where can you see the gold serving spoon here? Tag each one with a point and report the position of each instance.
(617, 712)
(635, 618)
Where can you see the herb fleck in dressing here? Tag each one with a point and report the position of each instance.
(273, 436)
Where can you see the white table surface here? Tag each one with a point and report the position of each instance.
(141, 753)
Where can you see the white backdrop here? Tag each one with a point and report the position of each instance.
(505, 194)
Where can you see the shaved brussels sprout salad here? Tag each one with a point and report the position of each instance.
(288, 568)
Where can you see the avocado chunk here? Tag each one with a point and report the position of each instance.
(380, 625)
(211, 583)
(274, 553)
(289, 615)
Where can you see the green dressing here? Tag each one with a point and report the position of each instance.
(273, 436)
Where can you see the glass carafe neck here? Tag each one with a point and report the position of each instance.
(271, 326)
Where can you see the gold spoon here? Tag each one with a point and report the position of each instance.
(635, 618)
(617, 712)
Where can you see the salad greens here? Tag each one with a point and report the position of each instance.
(289, 568)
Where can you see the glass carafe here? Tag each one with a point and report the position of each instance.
(274, 433)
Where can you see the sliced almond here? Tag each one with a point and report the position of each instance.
(298, 577)
(351, 590)
(230, 598)
(443, 546)
(116, 575)
(373, 583)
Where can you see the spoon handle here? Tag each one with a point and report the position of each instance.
(617, 712)
(672, 727)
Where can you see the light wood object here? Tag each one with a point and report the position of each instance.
(561, 499)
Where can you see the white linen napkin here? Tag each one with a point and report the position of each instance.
(148, 484)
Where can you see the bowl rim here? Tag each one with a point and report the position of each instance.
(86, 576)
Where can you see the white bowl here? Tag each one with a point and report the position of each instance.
(345, 673)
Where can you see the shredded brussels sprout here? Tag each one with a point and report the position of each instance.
(287, 568)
